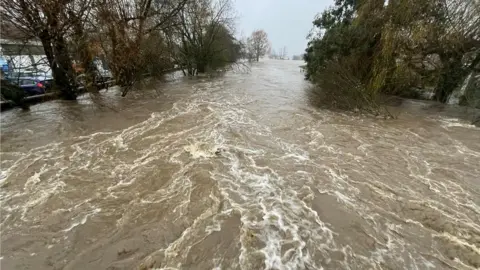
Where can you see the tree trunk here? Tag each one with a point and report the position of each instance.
(86, 58)
(190, 70)
(201, 67)
(126, 75)
(451, 76)
(46, 40)
(65, 70)
(59, 70)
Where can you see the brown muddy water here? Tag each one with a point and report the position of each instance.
(237, 172)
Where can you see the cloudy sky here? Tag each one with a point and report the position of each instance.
(287, 22)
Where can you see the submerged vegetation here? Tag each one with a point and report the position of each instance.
(360, 50)
(136, 38)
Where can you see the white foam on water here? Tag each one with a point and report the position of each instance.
(83, 220)
(179, 249)
(344, 199)
(3, 176)
(267, 215)
(454, 122)
(464, 265)
(199, 150)
(35, 178)
(458, 241)
(38, 197)
(268, 180)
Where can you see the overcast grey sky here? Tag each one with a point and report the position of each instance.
(287, 22)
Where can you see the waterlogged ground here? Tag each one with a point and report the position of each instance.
(236, 172)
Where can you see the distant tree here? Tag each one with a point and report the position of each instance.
(297, 57)
(273, 54)
(203, 38)
(258, 44)
(283, 53)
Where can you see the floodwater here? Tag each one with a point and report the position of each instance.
(237, 172)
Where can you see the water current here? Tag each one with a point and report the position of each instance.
(237, 171)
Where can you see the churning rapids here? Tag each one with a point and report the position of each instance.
(237, 172)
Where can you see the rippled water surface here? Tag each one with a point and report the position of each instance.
(236, 172)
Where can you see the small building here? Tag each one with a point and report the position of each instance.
(18, 56)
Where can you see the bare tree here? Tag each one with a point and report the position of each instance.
(127, 27)
(283, 53)
(51, 23)
(273, 54)
(202, 37)
(258, 43)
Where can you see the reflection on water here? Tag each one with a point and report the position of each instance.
(236, 172)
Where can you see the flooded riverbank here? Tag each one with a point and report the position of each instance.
(237, 172)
